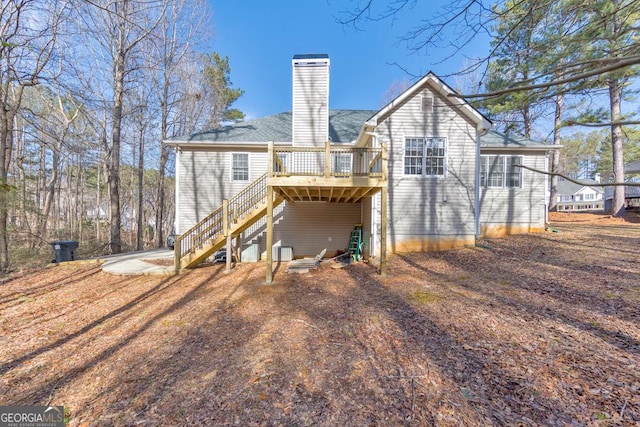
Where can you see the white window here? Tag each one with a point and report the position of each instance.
(239, 166)
(342, 164)
(589, 196)
(500, 171)
(425, 156)
(426, 104)
(282, 165)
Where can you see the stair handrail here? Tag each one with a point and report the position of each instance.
(220, 220)
(247, 199)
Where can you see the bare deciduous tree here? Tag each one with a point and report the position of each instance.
(28, 31)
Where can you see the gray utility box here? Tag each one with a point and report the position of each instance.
(282, 253)
(250, 253)
(64, 250)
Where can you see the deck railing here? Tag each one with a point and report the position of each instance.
(220, 221)
(328, 161)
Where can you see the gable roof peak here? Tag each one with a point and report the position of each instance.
(483, 123)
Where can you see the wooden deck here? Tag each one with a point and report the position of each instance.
(333, 173)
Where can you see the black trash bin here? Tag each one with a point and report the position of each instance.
(65, 250)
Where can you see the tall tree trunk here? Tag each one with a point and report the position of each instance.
(139, 226)
(6, 145)
(83, 186)
(164, 157)
(615, 95)
(98, 200)
(49, 196)
(555, 156)
(115, 242)
(22, 182)
(10, 97)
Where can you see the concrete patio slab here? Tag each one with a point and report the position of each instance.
(133, 263)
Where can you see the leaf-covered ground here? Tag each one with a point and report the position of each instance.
(542, 329)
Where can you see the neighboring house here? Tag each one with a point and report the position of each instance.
(583, 197)
(632, 167)
(631, 193)
(98, 213)
(424, 172)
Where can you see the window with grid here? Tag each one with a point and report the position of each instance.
(425, 156)
(282, 165)
(342, 163)
(495, 165)
(240, 166)
(514, 173)
(500, 171)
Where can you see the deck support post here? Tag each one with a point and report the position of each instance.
(383, 215)
(177, 246)
(383, 233)
(238, 248)
(229, 252)
(269, 234)
(270, 161)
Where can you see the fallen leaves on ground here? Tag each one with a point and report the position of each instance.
(540, 329)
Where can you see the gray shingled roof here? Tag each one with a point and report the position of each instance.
(633, 167)
(567, 187)
(344, 126)
(495, 139)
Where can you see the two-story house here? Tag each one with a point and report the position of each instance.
(583, 197)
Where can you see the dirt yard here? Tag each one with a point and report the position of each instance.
(541, 329)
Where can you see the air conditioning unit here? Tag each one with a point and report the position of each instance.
(282, 253)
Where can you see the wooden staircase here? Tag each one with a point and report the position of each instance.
(232, 218)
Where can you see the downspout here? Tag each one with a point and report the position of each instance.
(476, 213)
(547, 191)
(373, 222)
(176, 219)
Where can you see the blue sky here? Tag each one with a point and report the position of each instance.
(260, 38)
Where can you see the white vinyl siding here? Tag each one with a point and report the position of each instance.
(516, 206)
(425, 156)
(308, 227)
(442, 207)
(311, 103)
(239, 167)
(205, 180)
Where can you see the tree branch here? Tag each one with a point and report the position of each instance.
(586, 184)
(622, 63)
(596, 125)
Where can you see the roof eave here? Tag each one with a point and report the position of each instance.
(521, 147)
(225, 144)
